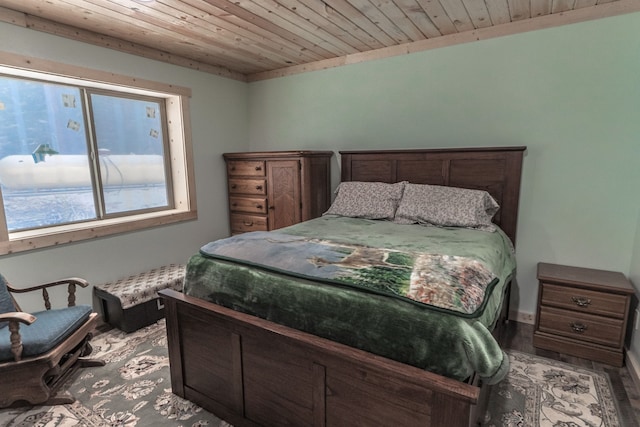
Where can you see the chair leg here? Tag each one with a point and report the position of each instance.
(60, 398)
(90, 363)
(24, 386)
(87, 349)
(85, 362)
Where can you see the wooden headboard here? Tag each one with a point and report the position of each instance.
(496, 170)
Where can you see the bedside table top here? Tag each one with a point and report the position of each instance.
(584, 277)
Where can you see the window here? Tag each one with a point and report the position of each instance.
(85, 157)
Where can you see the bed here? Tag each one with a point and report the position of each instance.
(252, 371)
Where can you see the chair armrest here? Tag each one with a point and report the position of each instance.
(71, 283)
(19, 316)
(14, 318)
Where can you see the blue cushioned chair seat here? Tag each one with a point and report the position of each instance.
(50, 329)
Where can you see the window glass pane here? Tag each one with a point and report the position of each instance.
(44, 167)
(129, 135)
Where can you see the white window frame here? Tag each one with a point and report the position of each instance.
(180, 154)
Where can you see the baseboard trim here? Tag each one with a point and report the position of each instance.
(633, 366)
(523, 317)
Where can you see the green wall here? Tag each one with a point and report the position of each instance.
(634, 275)
(219, 115)
(571, 94)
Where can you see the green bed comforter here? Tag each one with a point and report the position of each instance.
(453, 339)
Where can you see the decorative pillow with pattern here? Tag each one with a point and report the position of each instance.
(446, 207)
(370, 200)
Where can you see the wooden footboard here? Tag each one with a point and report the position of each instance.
(252, 372)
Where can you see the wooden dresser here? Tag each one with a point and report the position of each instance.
(582, 312)
(275, 189)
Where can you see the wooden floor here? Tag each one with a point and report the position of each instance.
(520, 338)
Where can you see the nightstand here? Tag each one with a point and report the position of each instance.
(582, 312)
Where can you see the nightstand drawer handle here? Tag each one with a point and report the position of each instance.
(581, 301)
(578, 327)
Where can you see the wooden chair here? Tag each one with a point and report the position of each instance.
(39, 351)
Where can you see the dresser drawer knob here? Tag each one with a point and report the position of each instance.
(248, 223)
(578, 327)
(258, 168)
(234, 186)
(258, 206)
(581, 301)
(258, 187)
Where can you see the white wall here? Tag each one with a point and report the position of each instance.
(219, 116)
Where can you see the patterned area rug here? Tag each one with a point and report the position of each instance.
(544, 392)
(132, 389)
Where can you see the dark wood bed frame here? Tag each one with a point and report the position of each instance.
(252, 372)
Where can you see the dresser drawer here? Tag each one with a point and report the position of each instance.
(581, 326)
(248, 204)
(246, 168)
(244, 223)
(585, 301)
(248, 186)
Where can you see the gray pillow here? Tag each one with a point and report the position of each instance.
(371, 200)
(446, 207)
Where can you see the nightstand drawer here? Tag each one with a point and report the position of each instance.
(583, 300)
(248, 204)
(248, 186)
(245, 168)
(244, 223)
(581, 326)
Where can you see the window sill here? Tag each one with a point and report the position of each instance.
(53, 236)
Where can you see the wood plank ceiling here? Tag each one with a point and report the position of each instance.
(252, 40)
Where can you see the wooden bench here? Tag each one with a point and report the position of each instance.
(131, 303)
